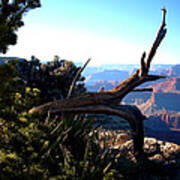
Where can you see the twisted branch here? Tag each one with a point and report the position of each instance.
(106, 102)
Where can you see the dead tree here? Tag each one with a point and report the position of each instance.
(108, 102)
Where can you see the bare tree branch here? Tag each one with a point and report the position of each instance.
(107, 102)
(127, 112)
(76, 78)
(141, 75)
(160, 35)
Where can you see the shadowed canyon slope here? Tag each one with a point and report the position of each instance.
(162, 105)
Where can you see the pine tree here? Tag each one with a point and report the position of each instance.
(11, 14)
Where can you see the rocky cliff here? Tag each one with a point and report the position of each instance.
(171, 119)
(161, 102)
(169, 85)
(161, 159)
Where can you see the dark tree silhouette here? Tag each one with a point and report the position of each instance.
(11, 14)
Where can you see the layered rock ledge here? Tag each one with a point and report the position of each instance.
(161, 159)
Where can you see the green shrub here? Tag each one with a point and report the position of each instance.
(53, 79)
(45, 146)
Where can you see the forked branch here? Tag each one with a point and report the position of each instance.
(107, 102)
(160, 35)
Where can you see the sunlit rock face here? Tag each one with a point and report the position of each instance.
(161, 158)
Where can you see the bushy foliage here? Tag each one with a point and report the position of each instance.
(45, 146)
(11, 13)
(53, 79)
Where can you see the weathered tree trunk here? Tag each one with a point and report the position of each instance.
(107, 102)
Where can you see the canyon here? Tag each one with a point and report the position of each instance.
(162, 106)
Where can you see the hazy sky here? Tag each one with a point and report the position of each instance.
(108, 31)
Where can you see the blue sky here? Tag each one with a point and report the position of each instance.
(108, 31)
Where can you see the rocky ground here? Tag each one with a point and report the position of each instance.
(161, 159)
